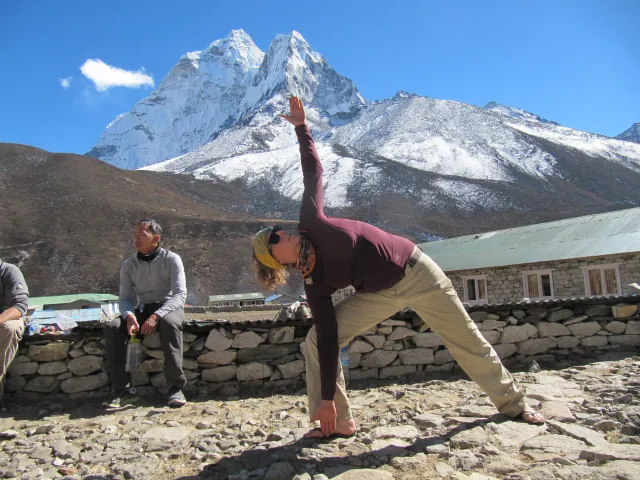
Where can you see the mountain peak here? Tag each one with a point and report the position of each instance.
(235, 39)
(517, 113)
(292, 38)
(295, 36)
(239, 33)
(292, 46)
(632, 134)
(237, 45)
(403, 94)
(292, 67)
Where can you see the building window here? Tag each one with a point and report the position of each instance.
(475, 290)
(538, 284)
(602, 280)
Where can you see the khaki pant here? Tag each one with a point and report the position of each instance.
(10, 336)
(427, 290)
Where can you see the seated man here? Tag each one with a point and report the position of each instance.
(155, 278)
(13, 307)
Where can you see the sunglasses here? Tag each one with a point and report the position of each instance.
(274, 238)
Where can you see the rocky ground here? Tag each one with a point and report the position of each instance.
(443, 428)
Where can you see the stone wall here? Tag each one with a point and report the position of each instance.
(505, 284)
(224, 359)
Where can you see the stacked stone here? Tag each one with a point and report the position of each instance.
(397, 348)
(219, 356)
(59, 366)
(229, 355)
(257, 355)
(562, 332)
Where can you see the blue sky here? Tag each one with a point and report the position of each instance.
(576, 62)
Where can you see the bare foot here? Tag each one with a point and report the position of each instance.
(344, 428)
(532, 417)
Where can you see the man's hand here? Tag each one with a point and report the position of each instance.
(326, 414)
(150, 325)
(296, 117)
(132, 324)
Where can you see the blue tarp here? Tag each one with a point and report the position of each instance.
(49, 317)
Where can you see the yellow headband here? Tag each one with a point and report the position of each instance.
(261, 249)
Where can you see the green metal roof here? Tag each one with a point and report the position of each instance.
(61, 299)
(581, 237)
(236, 296)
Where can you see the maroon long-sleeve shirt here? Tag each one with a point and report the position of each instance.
(348, 252)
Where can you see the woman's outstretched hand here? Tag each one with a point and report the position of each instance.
(296, 117)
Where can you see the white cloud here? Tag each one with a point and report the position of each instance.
(106, 76)
(65, 82)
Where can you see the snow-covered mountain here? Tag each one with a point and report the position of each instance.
(216, 89)
(403, 158)
(198, 95)
(449, 142)
(632, 134)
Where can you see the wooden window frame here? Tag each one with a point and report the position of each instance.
(602, 268)
(539, 273)
(481, 301)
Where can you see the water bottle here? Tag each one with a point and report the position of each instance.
(344, 360)
(134, 354)
(34, 329)
(37, 329)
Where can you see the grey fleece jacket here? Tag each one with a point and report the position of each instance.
(161, 280)
(13, 288)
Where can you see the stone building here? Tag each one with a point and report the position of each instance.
(590, 256)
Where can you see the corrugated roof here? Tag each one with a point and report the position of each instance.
(589, 236)
(236, 296)
(62, 299)
(276, 296)
(557, 302)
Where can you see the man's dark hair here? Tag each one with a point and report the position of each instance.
(152, 226)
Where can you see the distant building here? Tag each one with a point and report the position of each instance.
(282, 299)
(594, 255)
(108, 303)
(236, 300)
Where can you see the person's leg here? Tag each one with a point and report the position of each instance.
(170, 328)
(10, 336)
(115, 334)
(354, 315)
(429, 292)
